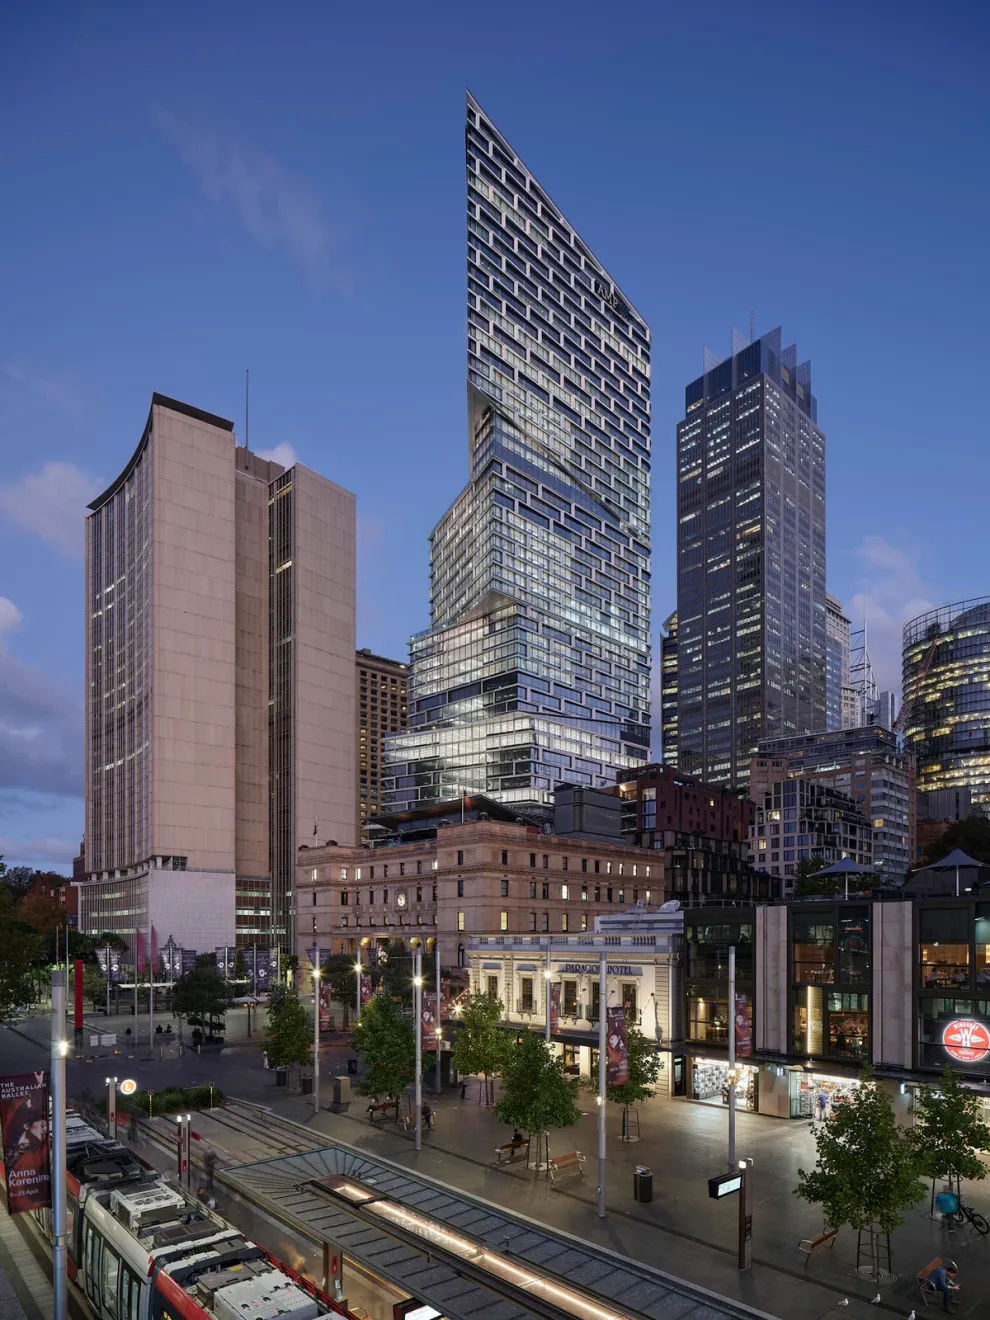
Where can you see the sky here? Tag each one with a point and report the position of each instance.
(191, 191)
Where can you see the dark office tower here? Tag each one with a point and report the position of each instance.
(750, 560)
(536, 667)
(668, 691)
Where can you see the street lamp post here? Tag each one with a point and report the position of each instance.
(546, 997)
(60, 1047)
(418, 1014)
(357, 992)
(732, 1056)
(316, 1038)
(439, 1030)
(602, 1075)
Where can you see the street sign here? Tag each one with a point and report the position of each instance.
(128, 1086)
(724, 1185)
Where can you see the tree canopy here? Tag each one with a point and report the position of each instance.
(481, 1047)
(537, 1093)
(386, 1042)
(972, 835)
(289, 1033)
(338, 973)
(20, 949)
(867, 1170)
(805, 884)
(644, 1069)
(948, 1130)
(201, 993)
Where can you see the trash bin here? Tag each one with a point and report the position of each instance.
(281, 1077)
(352, 1067)
(307, 1085)
(643, 1183)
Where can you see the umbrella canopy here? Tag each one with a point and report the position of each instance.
(955, 858)
(847, 867)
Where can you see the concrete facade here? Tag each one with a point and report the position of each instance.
(382, 688)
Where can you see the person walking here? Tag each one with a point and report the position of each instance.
(947, 1204)
(210, 1168)
(942, 1279)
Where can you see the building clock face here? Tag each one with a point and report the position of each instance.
(400, 898)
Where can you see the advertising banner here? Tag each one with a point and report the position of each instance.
(617, 1044)
(554, 1007)
(324, 1007)
(429, 1020)
(365, 989)
(743, 1027)
(25, 1135)
(444, 1000)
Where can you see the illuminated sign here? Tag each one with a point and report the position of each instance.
(592, 969)
(724, 1185)
(966, 1041)
(128, 1087)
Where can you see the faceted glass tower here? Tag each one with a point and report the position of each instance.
(750, 560)
(536, 669)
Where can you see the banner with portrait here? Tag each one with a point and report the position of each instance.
(743, 1026)
(324, 1006)
(429, 1018)
(554, 1007)
(444, 1000)
(618, 1047)
(26, 1139)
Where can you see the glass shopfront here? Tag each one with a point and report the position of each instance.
(835, 1023)
(818, 1095)
(710, 1083)
(830, 974)
(954, 1033)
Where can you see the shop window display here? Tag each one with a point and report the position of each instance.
(815, 1095)
(710, 1083)
(943, 938)
(707, 1016)
(848, 1025)
(813, 950)
(854, 948)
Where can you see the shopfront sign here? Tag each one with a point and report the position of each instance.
(966, 1040)
(593, 969)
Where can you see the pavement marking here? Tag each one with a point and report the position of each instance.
(24, 1266)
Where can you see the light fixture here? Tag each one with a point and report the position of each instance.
(63, 1048)
(742, 1164)
(417, 981)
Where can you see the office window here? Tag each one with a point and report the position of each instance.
(584, 921)
(584, 893)
(564, 921)
(525, 994)
(546, 861)
(460, 889)
(598, 867)
(314, 905)
(584, 863)
(503, 921)
(563, 863)
(343, 903)
(402, 868)
(532, 888)
(492, 990)
(436, 865)
(460, 857)
(532, 859)
(546, 921)
(505, 857)
(419, 868)
(419, 893)
(564, 891)
(532, 921)
(546, 890)
(460, 921)
(505, 888)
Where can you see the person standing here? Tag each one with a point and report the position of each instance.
(947, 1204)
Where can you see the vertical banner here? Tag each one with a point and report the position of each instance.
(429, 1012)
(139, 967)
(77, 986)
(155, 965)
(444, 999)
(324, 1006)
(618, 1054)
(554, 1007)
(26, 1141)
(743, 1027)
(365, 989)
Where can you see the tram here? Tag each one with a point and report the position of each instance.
(143, 1249)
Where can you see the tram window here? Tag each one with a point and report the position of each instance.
(130, 1295)
(111, 1271)
(93, 1244)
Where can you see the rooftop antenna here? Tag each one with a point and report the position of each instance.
(752, 326)
(247, 401)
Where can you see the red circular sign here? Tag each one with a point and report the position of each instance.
(966, 1040)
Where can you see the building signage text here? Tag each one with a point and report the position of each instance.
(593, 969)
(966, 1041)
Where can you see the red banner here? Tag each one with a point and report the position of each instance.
(743, 1027)
(429, 1016)
(365, 989)
(554, 1007)
(26, 1141)
(618, 1053)
(324, 1007)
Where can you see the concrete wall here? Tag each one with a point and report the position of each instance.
(772, 1024)
(195, 907)
(893, 975)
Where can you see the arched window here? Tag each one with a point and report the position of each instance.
(460, 955)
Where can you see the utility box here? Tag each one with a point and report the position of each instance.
(341, 1092)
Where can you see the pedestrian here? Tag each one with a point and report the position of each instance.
(428, 1117)
(822, 1105)
(947, 1204)
(942, 1279)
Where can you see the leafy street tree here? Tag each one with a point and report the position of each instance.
(644, 1069)
(203, 994)
(948, 1131)
(481, 1047)
(43, 915)
(867, 1171)
(972, 835)
(20, 949)
(537, 1093)
(805, 884)
(338, 973)
(18, 879)
(386, 1042)
(289, 1034)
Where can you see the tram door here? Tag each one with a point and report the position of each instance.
(92, 1265)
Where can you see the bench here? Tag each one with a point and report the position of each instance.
(382, 1107)
(509, 1149)
(566, 1164)
(825, 1238)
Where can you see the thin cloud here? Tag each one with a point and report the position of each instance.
(892, 590)
(10, 617)
(277, 208)
(41, 733)
(51, 504)
(283, 453)
(39, 852)
(51, 386)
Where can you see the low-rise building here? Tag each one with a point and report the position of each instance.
(801, 819)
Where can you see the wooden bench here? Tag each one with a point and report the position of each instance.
(566, 1164)
(509, 1149)
(927, 1289)
(825, 1238)
(382, 1107)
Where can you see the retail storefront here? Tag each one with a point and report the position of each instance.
(819, 1095)
(709, 1083)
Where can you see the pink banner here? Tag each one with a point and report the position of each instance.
(743, 1027)
(324, 1007)
(26, 1155)
(365, 989)
(139, 966)
(155, 964)
(618, 1053)
(429, 1020)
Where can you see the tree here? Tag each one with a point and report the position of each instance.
(94, 985)
(289, 1033)
(644, 1069)
(20, 949)
(537, 1093)
(806, 886)
(387, 1044)
(948, 1131)
(867, 1171)
(481, 1047)
(972, 835)
(338, 973)
(203, 994)
(18, 879)
(43, 915)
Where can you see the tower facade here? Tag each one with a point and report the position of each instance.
(750, 560)
(837, 634)
(217, 724)
(536, 667)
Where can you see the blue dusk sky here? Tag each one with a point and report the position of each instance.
(190, 190)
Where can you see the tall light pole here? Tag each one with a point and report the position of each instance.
(108, 983)
(418, 1014)
(60, 1048)
(439, 1030)
(602, 1075)
(546, 997)
(316, 1038)
(732, 1056)
(357, 992)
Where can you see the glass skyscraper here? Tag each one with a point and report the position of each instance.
(750, 560)
(536, 667)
